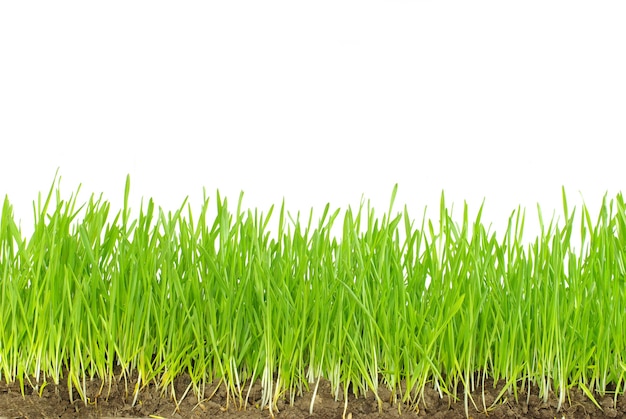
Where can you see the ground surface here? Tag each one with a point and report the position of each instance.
(54, 402)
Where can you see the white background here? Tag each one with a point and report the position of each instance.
(316, 101)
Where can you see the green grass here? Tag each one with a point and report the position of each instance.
(385, 302)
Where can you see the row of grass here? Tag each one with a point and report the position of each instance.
(385, 302)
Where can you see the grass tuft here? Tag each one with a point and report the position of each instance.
(95, 294)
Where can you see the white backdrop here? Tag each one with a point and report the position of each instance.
(318, 101)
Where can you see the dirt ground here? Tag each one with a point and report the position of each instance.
(54, 402)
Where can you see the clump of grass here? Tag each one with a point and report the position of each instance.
(91, 294)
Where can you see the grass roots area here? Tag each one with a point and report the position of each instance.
(384, 306)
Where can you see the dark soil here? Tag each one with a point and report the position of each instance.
(54, 402)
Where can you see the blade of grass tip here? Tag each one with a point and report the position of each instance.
(519, 225)
(281, 225)
(541, 225)
(586, 220)
(126, 210)
(443, 216)
(564, 198)
(40, 210)
(392, 200)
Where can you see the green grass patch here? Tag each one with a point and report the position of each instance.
(386, 302)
